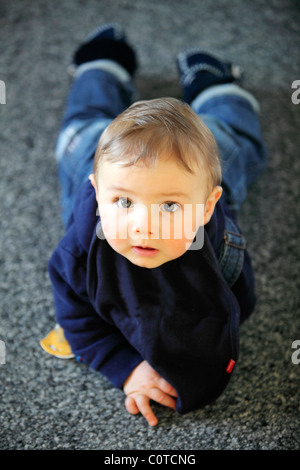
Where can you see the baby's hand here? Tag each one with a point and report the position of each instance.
(143, 384)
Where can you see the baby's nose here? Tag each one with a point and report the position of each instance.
(143, 224)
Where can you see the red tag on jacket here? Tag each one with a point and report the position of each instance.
(230, 366)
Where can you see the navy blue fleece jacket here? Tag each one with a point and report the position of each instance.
(181, 317)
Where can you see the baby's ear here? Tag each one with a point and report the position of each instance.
(211, 203)
(93, 183)
(92, 180)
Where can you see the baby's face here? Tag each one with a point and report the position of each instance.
(150, 215)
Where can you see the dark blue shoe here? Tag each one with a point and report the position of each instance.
(107, 30)
(106, 42)
(199, 70)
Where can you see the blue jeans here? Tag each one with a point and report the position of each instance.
(98, 95)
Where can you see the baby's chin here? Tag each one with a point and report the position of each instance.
(140, 261)
(147, 260)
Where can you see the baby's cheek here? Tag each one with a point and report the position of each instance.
(107, 229)
(182, 235)
(114, 234)
(116, 244)
(176, 248)
(109, 223)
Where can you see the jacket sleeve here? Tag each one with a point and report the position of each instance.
(99, 344)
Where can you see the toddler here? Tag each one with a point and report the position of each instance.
(152, 277)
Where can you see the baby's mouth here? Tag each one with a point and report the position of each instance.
(144, 250)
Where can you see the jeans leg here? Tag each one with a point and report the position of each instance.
(232, 116)
(95, 99)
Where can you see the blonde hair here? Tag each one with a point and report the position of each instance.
(163, 126)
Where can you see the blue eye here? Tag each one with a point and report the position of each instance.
(123, 203)
(169, 206)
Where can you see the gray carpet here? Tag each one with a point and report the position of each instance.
(47, 403)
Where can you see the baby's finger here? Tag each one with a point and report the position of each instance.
(162, 398)
(130, 406)
(166, 387)
(143, 405)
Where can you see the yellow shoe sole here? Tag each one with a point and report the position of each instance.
(56, 344)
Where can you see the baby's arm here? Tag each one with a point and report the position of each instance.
(143, 384)
(100, 344)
